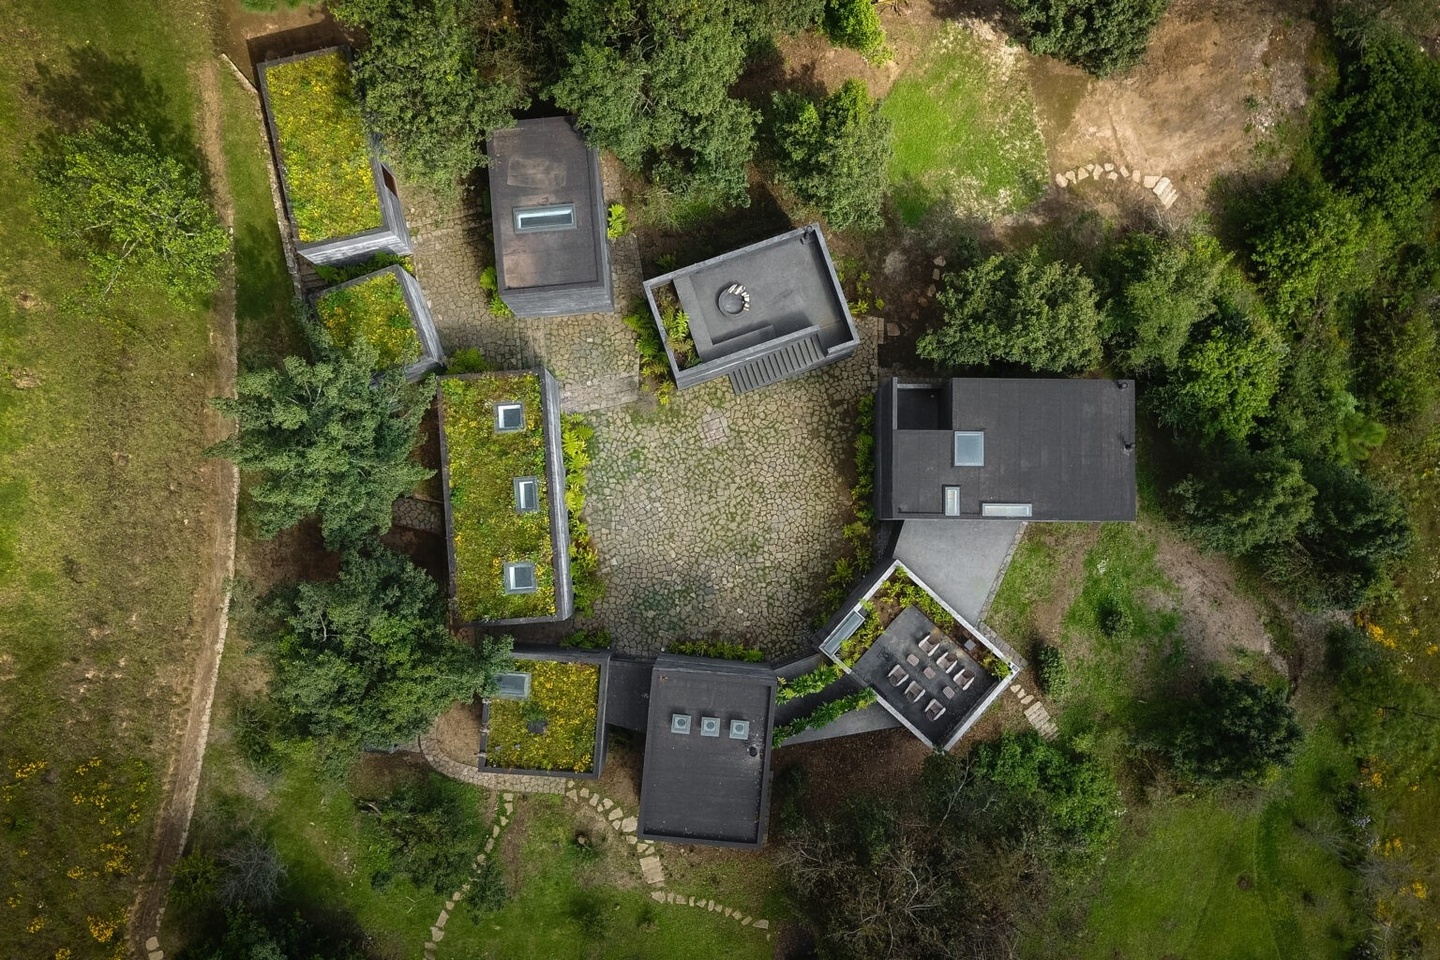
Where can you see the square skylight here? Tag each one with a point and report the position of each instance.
(739, 729)
(527, 494)
(952, 501)
(709, 726)
(969, 448)
(680, 723)
(520, 577)
(509, 417)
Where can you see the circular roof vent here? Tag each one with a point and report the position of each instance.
(733, 300)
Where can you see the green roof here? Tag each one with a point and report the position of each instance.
(373, 310)
(565, 698)
(483, 464)
(323, 147)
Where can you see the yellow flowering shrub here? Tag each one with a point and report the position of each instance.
(373, 311)
(323, 148)
(101, 929)
(565, 697)
(488, 531)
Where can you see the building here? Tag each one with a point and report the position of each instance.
(547, 204)
(367, 314)
(760, 314)
(991, 448)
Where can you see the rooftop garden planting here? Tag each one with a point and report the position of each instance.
(488, 530)
(677, 327)
(373, 312)
(718, 650)
(323, 148)
(555, 728)
(823, 715)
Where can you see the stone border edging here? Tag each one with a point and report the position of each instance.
(1161, 186)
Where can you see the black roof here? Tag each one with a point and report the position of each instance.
(541, 163)
(699, 789)
(1065, 447)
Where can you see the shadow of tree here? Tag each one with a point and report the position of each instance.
(94, 86)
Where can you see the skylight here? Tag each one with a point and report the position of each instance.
(520, 577)
(969, 448)
(952, 501)
(1020, 510)
(527, 494)
(509, 417)
(536, 219)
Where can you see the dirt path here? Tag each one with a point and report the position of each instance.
(212, 595)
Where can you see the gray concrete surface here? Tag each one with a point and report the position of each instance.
(961, 560)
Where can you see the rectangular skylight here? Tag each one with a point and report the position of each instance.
(952, 501)
(512, 686)
(509, 417)
(1020, 510)
(739, 729)
(527, 494)
(520, 577)
(535, 219)
(969, 448)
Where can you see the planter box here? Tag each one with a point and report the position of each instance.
(345, 207)
(431, 357)
(499, 499)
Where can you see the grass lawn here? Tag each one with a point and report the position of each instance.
(372, 310)
(488, 529)
(103, 491)
(566, 905)
(966, 132)
(324, 148)
(565, 697)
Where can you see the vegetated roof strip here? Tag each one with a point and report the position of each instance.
(565, 698)
(373, 310)
(488, 531)
(323, 147)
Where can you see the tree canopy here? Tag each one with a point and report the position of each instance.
(1103, 36)
(367, 658)
(1225, 377)
(138, 216)
(1242, 501)
(331, 439)
(1164, 288)
(1020, 309)
(835, 153)
(1234, 730)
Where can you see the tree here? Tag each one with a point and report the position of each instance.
(427, 828)
(1225, 379)
(367, 658)
(1243, 501)
(332, 438)
(1234, 730)
(835, 153)
(1164, 287)
(435, 77)
(137, 216)
(856, 24)
(1019, 309)
(1103, 36)
(650, 81)
(1358, 529)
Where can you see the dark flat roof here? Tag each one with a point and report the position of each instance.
(791, 284)
(698, 789)
(540, 163)
(1058, 445)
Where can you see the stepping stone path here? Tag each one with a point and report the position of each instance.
(437, 929)
(1163, 189)
(1035, 712)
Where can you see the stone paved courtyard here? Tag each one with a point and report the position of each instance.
(718, 516)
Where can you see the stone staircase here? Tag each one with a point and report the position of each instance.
(795, 357)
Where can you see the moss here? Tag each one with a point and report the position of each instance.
(374, 311)
(565, 697)
(323, 148)
(483, 464)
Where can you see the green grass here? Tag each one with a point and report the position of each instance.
(563, 907)
(567, 697)
(324, 148)
(373, 311)
(966, 133)
(103, 488)
(1206, 879)
(483, 465)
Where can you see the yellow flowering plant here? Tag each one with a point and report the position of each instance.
(564, 704)
(373, 311)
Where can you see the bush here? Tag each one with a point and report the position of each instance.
(822, 715)
(1358, 529)
(467, 360)
(1017, 308)
(490, 283)
(425, 831)
(1164, 288)
(808, 683)
(835, 153)
(718, 649)
(1234, 730)
(856, 24)
(1395, 348)
(1103, 36)
(488, 891)
(1244, 501)
(654, 363)
(616, 223)
(1052, 671)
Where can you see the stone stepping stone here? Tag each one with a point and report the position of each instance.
(615, 814)
(509, 808)
(629, 824)
(584, 791)
(762, 924)
(651, 871)
(1082, 174)
(607, 804)
(659, 896)
(443, 919)
(507, 796)
(152, 944)
(1150, 182)
(1060, 180)
(746, 922)
(572, 795)
(1027, 699)
(437, 934)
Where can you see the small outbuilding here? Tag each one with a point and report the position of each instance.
(974, 449)
(761, 314)
(547, 204)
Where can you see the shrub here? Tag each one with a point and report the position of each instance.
(719, 649)
(136, 216)
(1103, 36)
(824, 714)
(425, 831)
(1243, 501)
(856, 24)
(654, 364)
(588, 640)
(1234, 730)
(1052, 671)
(1357, 530)
(490, 283)
(808, 683)
(835, 153)
(467, 360)
(1017, 308)
(488, 891)
(616, 222)
(435, 77)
